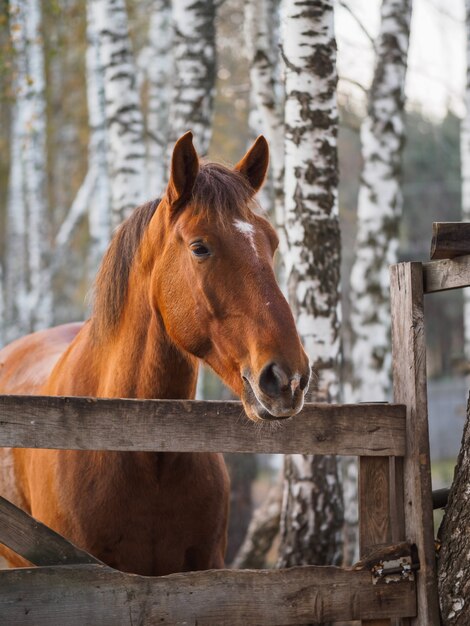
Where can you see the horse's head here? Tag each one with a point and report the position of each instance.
(214, 285)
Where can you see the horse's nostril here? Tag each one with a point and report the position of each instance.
(273, 380)
(303, 382)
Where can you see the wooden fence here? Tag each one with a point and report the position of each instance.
(396, 577)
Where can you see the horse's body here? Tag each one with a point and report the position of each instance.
(186, 278)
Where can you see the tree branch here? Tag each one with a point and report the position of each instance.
(355, 17)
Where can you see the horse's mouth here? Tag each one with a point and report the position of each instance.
(255, 410)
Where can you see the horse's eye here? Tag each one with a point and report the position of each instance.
(200, 250)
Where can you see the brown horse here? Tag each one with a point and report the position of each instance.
(185, 278)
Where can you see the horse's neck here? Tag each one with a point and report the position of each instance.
(144, 363)
(139, 360)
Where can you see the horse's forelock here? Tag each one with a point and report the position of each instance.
(221, 193)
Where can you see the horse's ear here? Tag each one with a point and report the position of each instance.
(254, 164)
(184, 169)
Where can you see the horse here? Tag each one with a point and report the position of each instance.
(186, 278)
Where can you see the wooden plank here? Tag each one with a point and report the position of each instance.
(35, 542)
(374, 511)
(409, 386)
(87, 595)
(450, 239)
(446, 274)
(191, 426)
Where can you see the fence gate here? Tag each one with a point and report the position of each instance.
(395, 581)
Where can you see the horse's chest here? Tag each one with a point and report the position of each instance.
(152, 526)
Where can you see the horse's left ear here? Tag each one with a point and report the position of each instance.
(184, 169)
(254, 164)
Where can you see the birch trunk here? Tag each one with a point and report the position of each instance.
(99, 209)
(195, 68)
(263, 529)
(465, 168)
(35, 160)
(379, 208)
(379, 211)
(124, 121)
(312, 516)
(160, 78)
(16, 306)
(454, 533)
(262, 46)
(28, 276)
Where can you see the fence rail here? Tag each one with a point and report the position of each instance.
(198, 426)
(82, 595)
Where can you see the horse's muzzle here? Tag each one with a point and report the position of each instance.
(275, 395)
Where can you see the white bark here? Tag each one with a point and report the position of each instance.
(195, 65)
(311, 520)
(263, 529)
(74, 217)
(262, 48)
(28, 275)
(126, 150)
(98, 189)
(77, 211)
(160, 78)
(465, 169)
(35, 159)
(16, 307)
(379, 208)
(379, 211)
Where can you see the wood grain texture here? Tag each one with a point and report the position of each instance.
(89, 595)
(450, 239)
(446, 274)
(36, 542)
(374, 511)
(409, 387)
(192, 426)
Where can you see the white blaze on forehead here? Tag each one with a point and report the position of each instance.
(248, 230)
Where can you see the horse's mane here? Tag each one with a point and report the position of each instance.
(217, 192)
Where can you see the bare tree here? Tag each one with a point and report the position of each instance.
(454, 534)
(28, 293)
(194, 71)
(99, 199)
(262, 47)
(465, 169)
(312, 514)
(124, 121)
(160, 79)
(379, 211)
(379, 207)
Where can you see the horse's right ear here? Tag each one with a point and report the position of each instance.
(184, 169)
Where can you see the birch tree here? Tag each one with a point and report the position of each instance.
(194, 71)
(379, 207)
(159, 70)
(465, 169)
(16, 307)
(312, 515)
(454, 534)
(262, 48)
(99, 209)
(124, 121)
(28, 276)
